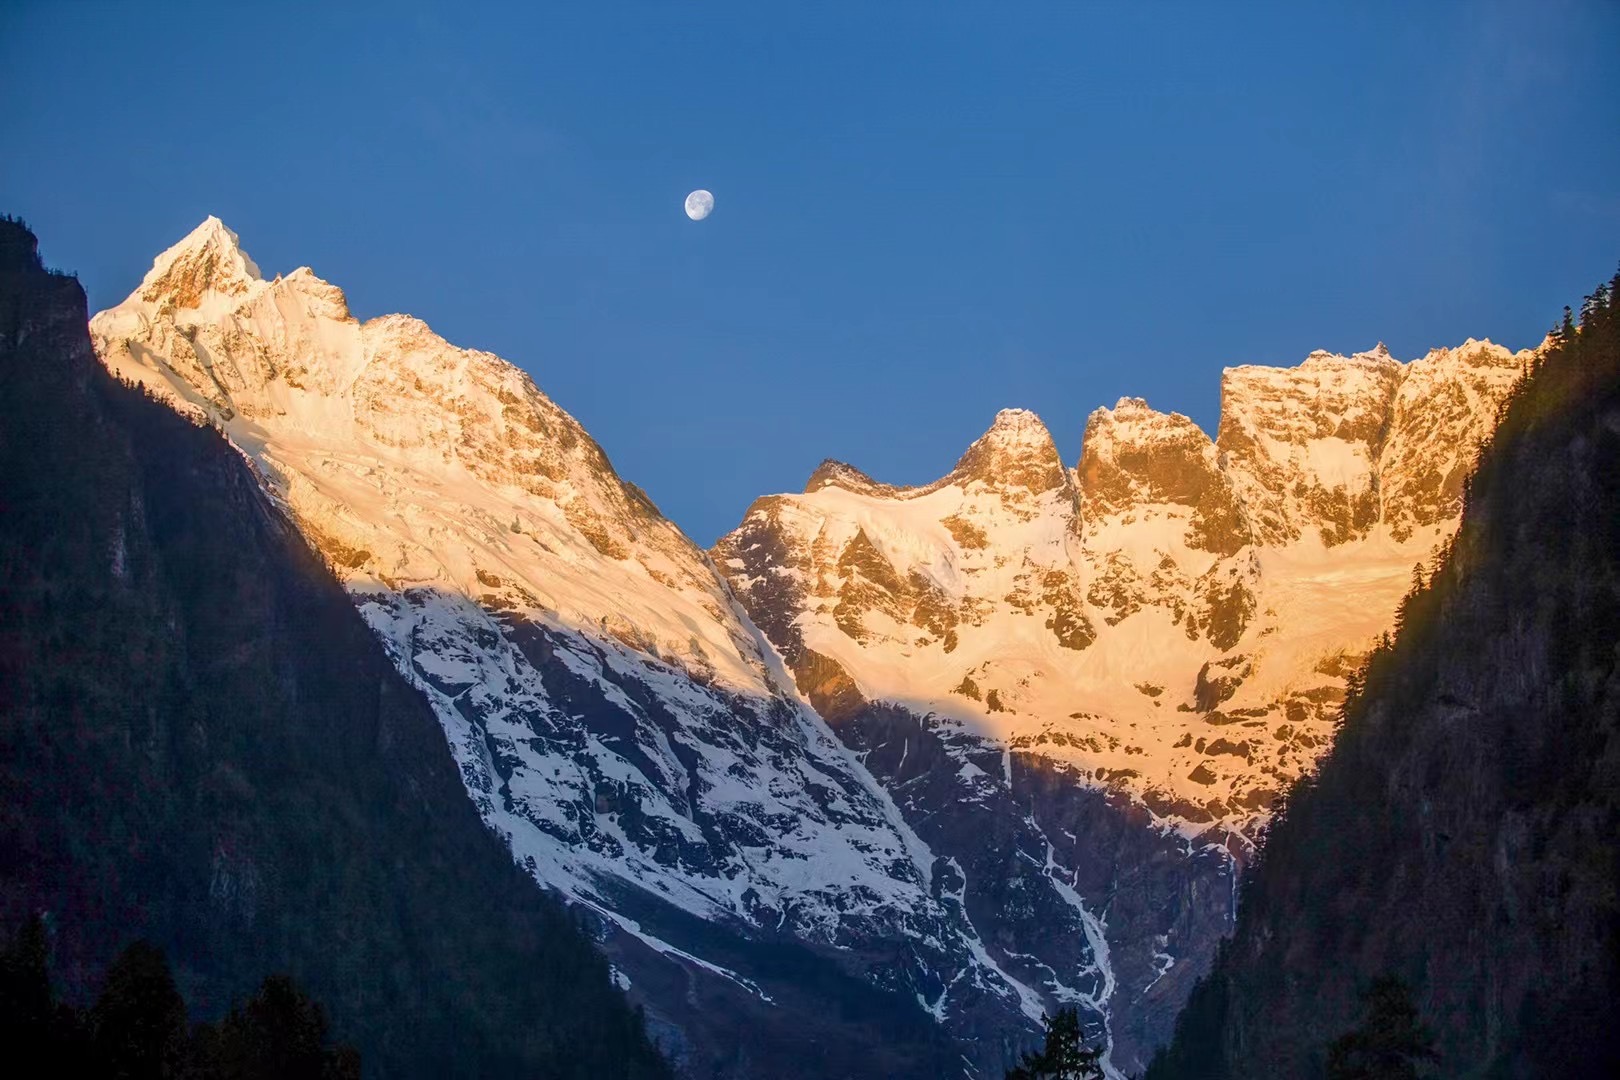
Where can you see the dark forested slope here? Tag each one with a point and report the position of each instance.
(203, 745)
(1462, 835)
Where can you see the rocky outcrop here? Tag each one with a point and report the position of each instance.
(1016, 456)
(1133, 456)
(1302, 444)
(1162, 633)
(1445, 408)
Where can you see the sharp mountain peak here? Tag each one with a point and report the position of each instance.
(208, 261)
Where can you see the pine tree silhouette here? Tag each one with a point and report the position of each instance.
(25, 985)
(139, 1021)
(278, 1034)
(1390, 1044)
(1065, 1055)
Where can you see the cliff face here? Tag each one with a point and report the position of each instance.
(1159, 635)
(1461, 834)
(202, 744)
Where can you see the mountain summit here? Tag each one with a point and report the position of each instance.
(208, 265)
(1017, 452)
(203, 746)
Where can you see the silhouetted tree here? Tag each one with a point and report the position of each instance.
(1355, 684)
(1390, 1044)
(139, 1021)
(137, 1028)
(278, 1034)
(26, 1006)
(1065, 1055)
(35, 1028)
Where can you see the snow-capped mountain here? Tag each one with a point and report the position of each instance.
(1114, 669)
(989, 744)
(1172, 618)
(615, 714)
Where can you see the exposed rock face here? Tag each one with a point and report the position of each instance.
(1461, 834)
(1302, 445)
(1162, 633)
(1015, 457)
(615, 716)
(1446, 405)
(212, 267)
(1132, 455)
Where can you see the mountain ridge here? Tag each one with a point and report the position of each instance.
(1248, 489)
(1139, 652)
(992, 743)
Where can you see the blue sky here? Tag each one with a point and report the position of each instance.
(924, 212)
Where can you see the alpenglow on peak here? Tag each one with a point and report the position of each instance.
(209, 259)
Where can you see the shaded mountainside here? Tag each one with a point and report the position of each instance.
(203, 744)
(1461, 835)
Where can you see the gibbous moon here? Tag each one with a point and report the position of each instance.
(699, 205)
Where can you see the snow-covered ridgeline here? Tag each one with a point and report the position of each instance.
(1171, 618)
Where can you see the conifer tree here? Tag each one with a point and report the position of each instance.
(1065, 1055)
(26, 1006)
(278, 1034)
(1390, 1044)
(35, 1028)
(139, 1021)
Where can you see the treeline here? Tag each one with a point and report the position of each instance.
(138, 1028)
